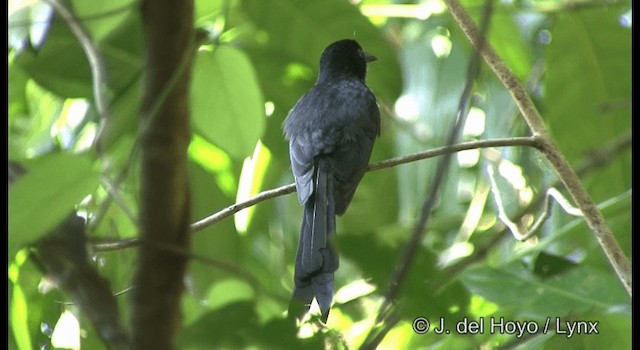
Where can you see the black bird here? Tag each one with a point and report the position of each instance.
(331, 131)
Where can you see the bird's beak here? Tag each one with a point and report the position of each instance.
(369, 57)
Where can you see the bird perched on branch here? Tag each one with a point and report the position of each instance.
(331, 131)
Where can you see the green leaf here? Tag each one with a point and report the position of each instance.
(19, 308)
(206, 11)
(226, 101)
(31, 132)
(215, 161)
(251, 179)
(547, 265)
(588, 85)
(578, 290)
(614, 332)
(47, 194)
(220, 240)
(229, 291)
(103, 17)
(123, 119)
(18, 318)
(62, 66)
(508, 41)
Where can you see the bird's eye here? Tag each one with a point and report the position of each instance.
(360, 52)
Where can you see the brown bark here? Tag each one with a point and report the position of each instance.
(164, 196)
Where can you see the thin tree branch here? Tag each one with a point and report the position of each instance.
(567, 175)
(117, 198)
(215, 263)
(133, 154)
(463, 146)
(607, 153)
(96, 63)
(387, 312)
(283, 190)
(85, 18)
(109, 246)
(546, 211)
(602, 155)
(290, 188)
(230, 210)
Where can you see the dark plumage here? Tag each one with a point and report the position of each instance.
(331, 131)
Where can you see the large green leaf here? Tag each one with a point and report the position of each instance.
(588, 92)
(31, 132)
(578, 290)
(62, 66)
(510, 44)
(102, 18)
(588, 85)
(39, 200)
(18, 318)
(226, 101)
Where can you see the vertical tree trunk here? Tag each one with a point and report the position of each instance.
(164, 196)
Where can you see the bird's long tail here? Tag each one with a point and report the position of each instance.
(316, 259)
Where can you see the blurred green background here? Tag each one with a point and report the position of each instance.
(259, 57)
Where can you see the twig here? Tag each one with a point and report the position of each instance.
(592, 214)
(107, 246)
(283, 190)
(104, 246)
(603, 154)
(412, 245)
(96, 63)
(386, 312)
(85, 18)
(224, 213)
(513, 227)
(115, 195)
(608, 152)
(500, 142)
(122, 174)
(290, 188)
(223, 265)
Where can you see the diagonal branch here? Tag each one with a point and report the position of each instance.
(567, 175)
(386, 312)
(96, 63)
(607, 152)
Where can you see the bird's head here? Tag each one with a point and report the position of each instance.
(344, 58)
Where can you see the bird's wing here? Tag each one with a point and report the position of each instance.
(301, 155)
(351, 156)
